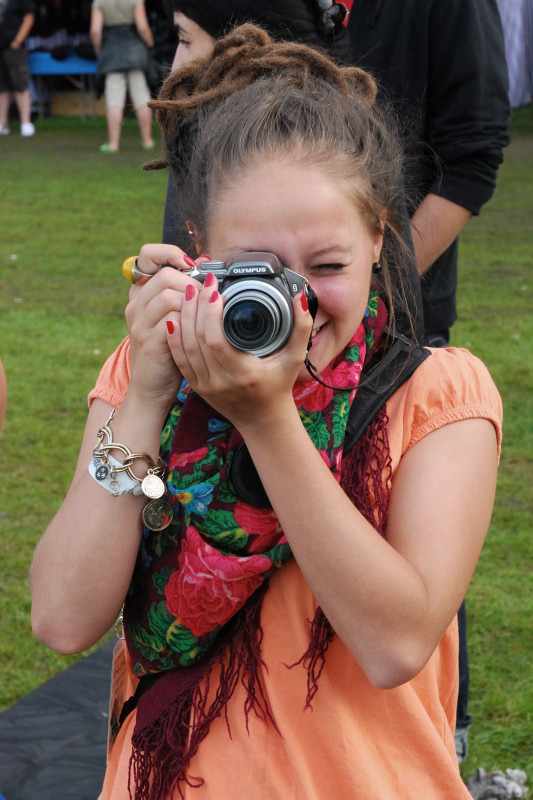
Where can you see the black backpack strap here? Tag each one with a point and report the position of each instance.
(384, 374)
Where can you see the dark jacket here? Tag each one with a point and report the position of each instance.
(443, 63)
(12, 12)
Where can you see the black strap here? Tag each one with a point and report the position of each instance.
(145, 683)
(383, 376)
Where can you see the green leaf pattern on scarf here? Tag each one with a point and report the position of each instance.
(220, 526)
(316, 427)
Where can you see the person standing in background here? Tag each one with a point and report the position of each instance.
(443, 65)
(16, 22)
(121, 37)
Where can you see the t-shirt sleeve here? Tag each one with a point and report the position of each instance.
(450, 386)
(113, 381)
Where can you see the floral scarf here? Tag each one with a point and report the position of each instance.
(196, 595)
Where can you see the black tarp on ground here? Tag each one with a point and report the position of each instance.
(53, 741)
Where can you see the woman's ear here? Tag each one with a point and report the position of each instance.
(378, 236)
(198, 240)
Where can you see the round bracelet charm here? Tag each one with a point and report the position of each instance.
(157, 515)
(101, 471)
(152, 486)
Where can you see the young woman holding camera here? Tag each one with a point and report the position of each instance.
(298, 641)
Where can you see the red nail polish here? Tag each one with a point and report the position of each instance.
(188, 260)
(207, 258)
(209, 278)
(303, 299)
(189, 291)
(214, 297)
(170, 326)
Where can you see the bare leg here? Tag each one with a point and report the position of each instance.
(114, 124)
(5, 100)
(23, 101)
(144, 118)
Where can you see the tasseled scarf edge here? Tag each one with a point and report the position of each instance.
(165, 743)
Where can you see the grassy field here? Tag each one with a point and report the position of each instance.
(69, 216)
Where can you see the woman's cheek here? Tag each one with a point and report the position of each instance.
(340, 301)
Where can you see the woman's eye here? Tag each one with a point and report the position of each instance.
(328, 267)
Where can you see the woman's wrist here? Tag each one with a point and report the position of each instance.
(150, 405)
(138, 426)
(282, 416)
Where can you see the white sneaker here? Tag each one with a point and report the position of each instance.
(27, 129)
(4, 131)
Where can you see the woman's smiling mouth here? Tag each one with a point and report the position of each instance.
(316, 331)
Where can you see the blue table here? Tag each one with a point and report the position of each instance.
(41, 64)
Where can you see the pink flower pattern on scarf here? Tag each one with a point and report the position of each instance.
(209, 588)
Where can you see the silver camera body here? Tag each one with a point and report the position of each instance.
(258, 292)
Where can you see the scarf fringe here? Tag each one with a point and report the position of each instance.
(367, 470)
(314, 658)
(164, 746)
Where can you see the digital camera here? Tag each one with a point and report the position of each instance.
(257, 291)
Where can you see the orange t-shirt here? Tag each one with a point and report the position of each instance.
(357, 741)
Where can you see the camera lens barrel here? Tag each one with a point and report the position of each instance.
(257, 291)
(257, 316)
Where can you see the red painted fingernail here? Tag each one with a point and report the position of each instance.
(214, 297)
(303, 299)
(170, 326)
(189, 291)
(209, 278)
(188, 260)
(204, 255)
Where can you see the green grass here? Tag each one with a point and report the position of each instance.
(69, 216)
(495, 321)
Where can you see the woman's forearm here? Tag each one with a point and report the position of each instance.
(83, 564)
(389, 609)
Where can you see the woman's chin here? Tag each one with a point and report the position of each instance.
(304, 376)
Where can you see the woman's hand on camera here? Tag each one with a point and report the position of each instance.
(153, 257)
(155, 376)
(239, 385)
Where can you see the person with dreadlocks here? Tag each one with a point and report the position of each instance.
(289, 590)
(200, 23)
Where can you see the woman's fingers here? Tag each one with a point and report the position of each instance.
(150, 302)
(213, 366)
(153, 256)
(190, 348)
(303, 325)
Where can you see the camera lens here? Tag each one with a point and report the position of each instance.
(249, 324)
(257, 316)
